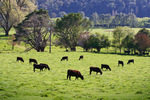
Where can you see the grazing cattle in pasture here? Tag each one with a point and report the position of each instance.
(45, 66)
(38, 66)
(81, 57)
(129, 61)
(105, 66)
(74, 73)
(95, 69)
(32, 60)
(120, 62)
(64, 58)
(126, 51)
(20, 59)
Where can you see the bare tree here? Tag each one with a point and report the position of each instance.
(35, 30)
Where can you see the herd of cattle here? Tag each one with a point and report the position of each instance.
(70, 72)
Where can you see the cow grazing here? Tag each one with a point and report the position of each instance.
(64, 58)
(129, 61)
(38, 66)
(20, 59)
(81, 57)
(105, 66)
(120, 62)
(45, 66)
(95, 69)
(32, 60)
(74, 73)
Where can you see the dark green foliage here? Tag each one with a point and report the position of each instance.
(128, 42)
(138, 7)
(96, 41)
(144, 31)
(68, 29)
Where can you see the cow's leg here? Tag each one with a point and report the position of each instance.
(34, 69)
(70, 78)
(90, 72)
(67, 77)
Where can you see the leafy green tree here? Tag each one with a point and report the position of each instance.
(128, 42)
(98, 41)
(119, 34)
(68, 29)
(144, 31)
(35, 30)
(13, 11)
(95, 18)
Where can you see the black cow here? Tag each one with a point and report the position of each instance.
(74, 73)
(136, 53)
(45, 66)
(20, 59)
(64, 58)
(32, 60)
(126, 51)
(120, 62)
(129, 61)
(81, 57)
(38, 66)
(105, 66)
(95, 69)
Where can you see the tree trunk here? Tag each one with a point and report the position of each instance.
(98, 49)
(6, 32)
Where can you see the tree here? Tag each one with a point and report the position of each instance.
(128, 42)
(142, 42)
(34, 30)
(119, 34)
(98, 41)
(13, 11)
(144, 31)
(68, 29)
(83, 40)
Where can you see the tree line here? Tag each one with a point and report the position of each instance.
(35, 27)
(119, 19)
(72, 30)
(139, 7)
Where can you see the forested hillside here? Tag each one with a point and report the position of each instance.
(58, 7)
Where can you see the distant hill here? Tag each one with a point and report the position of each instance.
(57, 8)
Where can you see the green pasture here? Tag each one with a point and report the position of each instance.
(19, 82)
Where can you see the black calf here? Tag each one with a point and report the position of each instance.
(81, 57)
(105, 66)
(38, 66)
(64, 58)
(32, 60)
(95, 69)
(120, 62)
(45, 66)
(129, 61)
(20, 59)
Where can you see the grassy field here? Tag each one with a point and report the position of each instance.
(19, 82)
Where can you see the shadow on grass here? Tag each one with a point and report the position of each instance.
(118, 54)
